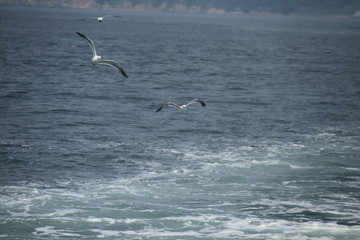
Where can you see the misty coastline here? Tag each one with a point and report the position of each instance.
(256, 7)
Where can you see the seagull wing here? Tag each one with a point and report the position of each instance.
(197, 100)
(168, 104)
(115, 65)
(107, 16)
(91, 43)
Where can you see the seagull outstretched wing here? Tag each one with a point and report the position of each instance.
(113, 64)
(197, 100)
(168, 104)
(90, 42)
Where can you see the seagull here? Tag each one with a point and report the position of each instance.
(182, 107)
(100, 19)
(97, 59)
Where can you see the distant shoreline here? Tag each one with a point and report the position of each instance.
(177, 9)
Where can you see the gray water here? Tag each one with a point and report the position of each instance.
(275, 154)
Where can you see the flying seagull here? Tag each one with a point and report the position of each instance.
(100, 19)
(182, 107)
(97, 59)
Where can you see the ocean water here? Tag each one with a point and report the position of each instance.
(275, 154)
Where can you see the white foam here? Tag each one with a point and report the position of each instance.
(153, 232)
(282, 229)
(63, 212)
(227, 226)
(101, 220)
(107, 233)
(207, 194)
(52, 232)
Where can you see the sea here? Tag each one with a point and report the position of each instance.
(275, 154)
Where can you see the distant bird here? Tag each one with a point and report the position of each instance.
(100, 19)
(97, 59)
(182, 107)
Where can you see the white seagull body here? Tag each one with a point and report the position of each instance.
(182, 107)
(97, 59)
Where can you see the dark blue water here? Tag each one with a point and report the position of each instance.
(274, 155)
